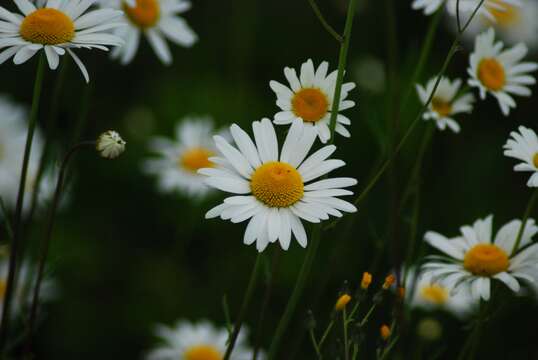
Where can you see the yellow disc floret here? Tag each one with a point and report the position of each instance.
(144, 14)
(441, 107)
(203, 352)
(491, 73)
(434, 293)
(277, 184)
(534, 160)
(507, 16)
(486, 260)
(195, 159)
(48, 27)
(310, 104)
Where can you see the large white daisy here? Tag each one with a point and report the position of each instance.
(523, 145)
(500, 72)
(199, 341)
(157, 20)
(309, 98)
(276, 192)
(472, 261)
(466, 8)
(445, 103)
(180, 159)
(56, 28)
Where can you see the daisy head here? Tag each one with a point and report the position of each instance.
(309, 97)
(523, 145)
(445, 103)
(179, 159)
(517, 23)
(276, 191)
(500, 72)
(474, 259)
(199, 341)
(466, 7)
(158, 21)
(56, 27)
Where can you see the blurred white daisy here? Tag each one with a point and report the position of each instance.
(523, 145)
(181, 158)
(201, 341)
(466, 7)
(499, 72)
(473, 260)
(56, 28)
(309, 97)
(158, 20)
(445, 103)
(276, 192)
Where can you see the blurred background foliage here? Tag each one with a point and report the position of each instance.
(127, 257)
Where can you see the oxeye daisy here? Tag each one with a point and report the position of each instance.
(199, 341)
(466, 7)
(472, 261)
(523, 145)
(445, 103)
(274, 191)
(158, 20)
(499, 72)
(309, 98)
(56, 28)
(180, 159)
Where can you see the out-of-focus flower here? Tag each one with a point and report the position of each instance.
(429, 329)
(370, 74)
(466, 7)
(445, 102)
(309, 98)
(473, 260)
(110, 145)
(157, 20)
(384, 331)
(500, 72)
(366, 280)
(56, 28)
(274, 191)
(523, 145)
(389, 280)
(342, 302)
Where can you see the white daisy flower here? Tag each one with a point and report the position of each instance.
(309, 97)
(473, 260)
(157, 20)
(181, 158)
(524, 146)
(445, 102)
(187, 341)
(499, 72)
(274, 191)
(110, 145)
(56, 28)
(466, 8)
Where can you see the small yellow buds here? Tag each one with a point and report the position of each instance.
(389, 280)
(384, 331)
(342, 302)
(366, 280)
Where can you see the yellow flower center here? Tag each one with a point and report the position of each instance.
(203, 352)
(48, 27)
(195, 159)
(486, 260)
(534, 158)
(144, 14)
(277, 184)
(434, 293)
(491, 74)
(510, 15)
(310, 104)
(441, 107)
(3, 287)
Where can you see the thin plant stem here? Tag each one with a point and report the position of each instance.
(458, 20)
(326, 333)
(346, 343)
(315, 344)
(324, 22)
(244, 306)
(353, 311)
(13, 256)
(389, 347)
(368, 314)
(528, 210)
(6, 219)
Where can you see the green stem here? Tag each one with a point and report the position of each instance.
(368, 314)
(6, 219)
(13, 256)
(244, 307)
(389, 347)
(326, 333)
(346, 344)
(324, 22)
(528, 210)
(315, 344)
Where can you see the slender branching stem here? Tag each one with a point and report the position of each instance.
(315, 343)
(6, 219)
(346, 341)
(324, 22)
(528, 211)
(326, 333)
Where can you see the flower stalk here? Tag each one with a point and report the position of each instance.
(528, 211)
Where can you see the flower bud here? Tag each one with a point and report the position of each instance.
(366, 280)
(384, 331)
(342, 302)
(389, 280)
(110, 145)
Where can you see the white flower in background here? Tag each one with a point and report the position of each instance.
(370, 74)
(523, 145)
(310, 98)
(201, 341)
(56, 28)
(110, 145)
(445, 102)
(157, 20)
(276, 192)
(181, 158)
(499, 72)
(473, 260)
(466, 8)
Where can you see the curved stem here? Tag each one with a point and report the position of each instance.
(324, 22)
(528, 210)
(10, 286)
(346, 343)
(458, 15)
